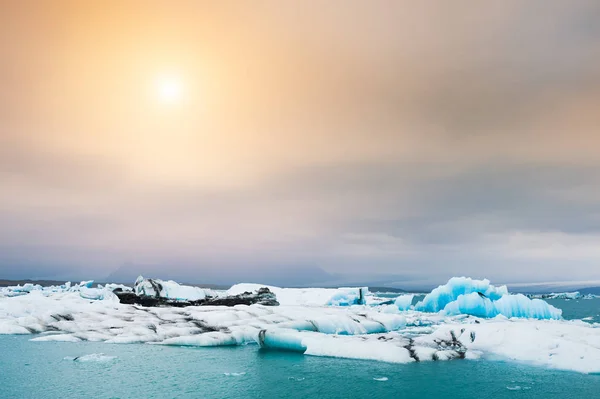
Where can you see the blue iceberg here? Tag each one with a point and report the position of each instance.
(348, 297)
(463, 295)
(441, 296)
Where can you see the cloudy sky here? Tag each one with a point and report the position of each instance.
(300, 142)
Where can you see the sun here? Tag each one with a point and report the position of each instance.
(169, 89)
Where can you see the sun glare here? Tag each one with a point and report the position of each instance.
(169, 89)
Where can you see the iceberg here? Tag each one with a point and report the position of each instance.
(97, 294)
(479, 298)
(85, 289)
(441, 296)
(167, 289)
(509, 306)
(348, 296)
(465, 319)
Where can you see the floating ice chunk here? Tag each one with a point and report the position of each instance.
(94, 357)
(361, 332)
(437, 299)
(97, 294)
(351, 347)
(509, 306)
(404, 302)
(87, 284)
(348, 296)
(566, 345)
(308, 296)
(558, 295)
(215, 338)
(112, 287)
(289, 340)
(479, 298)
(57, 338)
(167, 289)
(520, 306)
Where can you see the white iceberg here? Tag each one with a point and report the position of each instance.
(309, 296)
(168, 289)
(404, 302)
(85, 290)
(97, 294)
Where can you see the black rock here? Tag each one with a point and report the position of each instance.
(262, 297)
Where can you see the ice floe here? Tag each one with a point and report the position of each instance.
(85, 289)
(93, 357)
(169, 290)
(564, 295)
(308, 296)
(464, 319)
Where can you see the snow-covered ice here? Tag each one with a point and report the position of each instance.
(169, 290)
(564, 295)
(308, 296)
(403, 302)
(452, 322)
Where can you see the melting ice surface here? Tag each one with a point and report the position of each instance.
(463, 319)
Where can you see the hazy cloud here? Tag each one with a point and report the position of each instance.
(379, 141)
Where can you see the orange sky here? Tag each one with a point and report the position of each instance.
(301, 126)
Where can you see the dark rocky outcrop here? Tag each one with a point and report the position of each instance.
(262, 297)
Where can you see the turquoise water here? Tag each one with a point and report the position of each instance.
(40, 370)
(588, 309)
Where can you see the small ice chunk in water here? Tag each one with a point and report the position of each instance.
(93, 357)
(380, 378)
